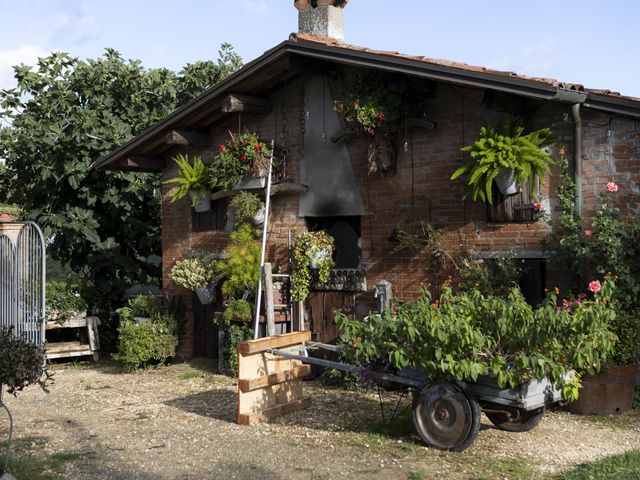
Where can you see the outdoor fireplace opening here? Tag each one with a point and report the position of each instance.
(346, 233)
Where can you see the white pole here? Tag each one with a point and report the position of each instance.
(267, 203)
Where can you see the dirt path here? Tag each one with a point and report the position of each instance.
(178, 423)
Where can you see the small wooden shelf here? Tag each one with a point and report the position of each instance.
(276, 188)
(88, 344)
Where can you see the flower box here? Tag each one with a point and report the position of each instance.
(249, 182)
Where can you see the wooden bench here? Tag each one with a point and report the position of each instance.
(88, 344)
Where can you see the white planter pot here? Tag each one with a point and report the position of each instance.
(207, 294)
(203, 204)
(258, 218)
(506, 181)
(316, 259)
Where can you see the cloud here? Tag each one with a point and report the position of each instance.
(256, 7)
(537, 60)
(8, 58)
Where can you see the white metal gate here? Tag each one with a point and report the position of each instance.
(22, 280)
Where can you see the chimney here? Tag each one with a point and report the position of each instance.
(321, 17)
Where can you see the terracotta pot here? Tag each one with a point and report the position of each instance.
(5, 217)
(607, 393)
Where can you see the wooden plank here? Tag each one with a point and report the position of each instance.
(254, 365)
(249, 384)
(74, 353)
(251, 419)
(256, 401)
(71, 323)
(92, 331)
(236, 102)
(187, 138)
(268, 299)
(267, 343)
(66, 347)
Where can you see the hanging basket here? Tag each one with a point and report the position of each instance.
(318, 258)
(506, 181)
(207, 295)
(204, 202)
(258, 217)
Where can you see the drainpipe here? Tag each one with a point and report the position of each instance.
(577, 137)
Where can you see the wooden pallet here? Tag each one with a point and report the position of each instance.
(89, 343)
(268, 385)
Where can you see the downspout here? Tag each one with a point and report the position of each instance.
(577, 137)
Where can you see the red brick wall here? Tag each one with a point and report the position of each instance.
(422, 171)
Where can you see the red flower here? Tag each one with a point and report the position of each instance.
(221, 147)
(594, 286)
(381, 116)
(246, 144)
(243, 157)
(257, 147)
(537, 206)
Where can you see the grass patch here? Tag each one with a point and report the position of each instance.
(419, 475)
(625, 466)
(191, 374)
(28, 467)
(142, 416)
(491, 468)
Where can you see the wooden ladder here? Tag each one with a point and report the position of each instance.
(296, 316)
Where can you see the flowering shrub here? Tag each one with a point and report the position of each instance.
(468, 334)
(610, 247)
(242, 154)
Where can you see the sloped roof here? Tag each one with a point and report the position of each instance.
(149, 142)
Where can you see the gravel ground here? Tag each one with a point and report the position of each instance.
(177, 422)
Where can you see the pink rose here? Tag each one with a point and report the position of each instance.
(612, 187)
(594, 286)
(537, 206)
(588, 232)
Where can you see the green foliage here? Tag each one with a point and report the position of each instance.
(21, 363)
(240, 309)
(611, 247)
(371, 107)
(191, 179)
(12, 210)
(242, 154)
(196, 271)
(417, 234)
(496, 276)
(246, 205)
(310, 247)
(65, 114)
(240, 269)
(469, 334)
(495, 151)
(237, 334)
(63, 302)
(148, 342)
(140, 306)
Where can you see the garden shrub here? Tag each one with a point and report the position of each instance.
(145, 343)
(21, 363)
(62, 301)
(238, 332)
(468, 334)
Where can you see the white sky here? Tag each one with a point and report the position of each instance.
(591, 42)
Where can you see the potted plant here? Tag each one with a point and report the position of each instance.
(311, 251)
(242, 162)
(505, 156)
(192, 180)
(8, 213)
(373, 109)
(248, 206)
(609, 246)
(468, 335)
(198, 274)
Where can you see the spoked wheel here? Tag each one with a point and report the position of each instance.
(518, 420)
(446, 416)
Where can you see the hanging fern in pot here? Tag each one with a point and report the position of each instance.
(504, 154)
(311, 251)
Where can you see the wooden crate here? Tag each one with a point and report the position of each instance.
(268, 385)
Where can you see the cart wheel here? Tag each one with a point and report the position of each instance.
(446, 416)
(520, 421)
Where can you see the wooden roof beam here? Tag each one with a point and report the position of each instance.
(143, 164)
(186, 137)
(235, 102)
